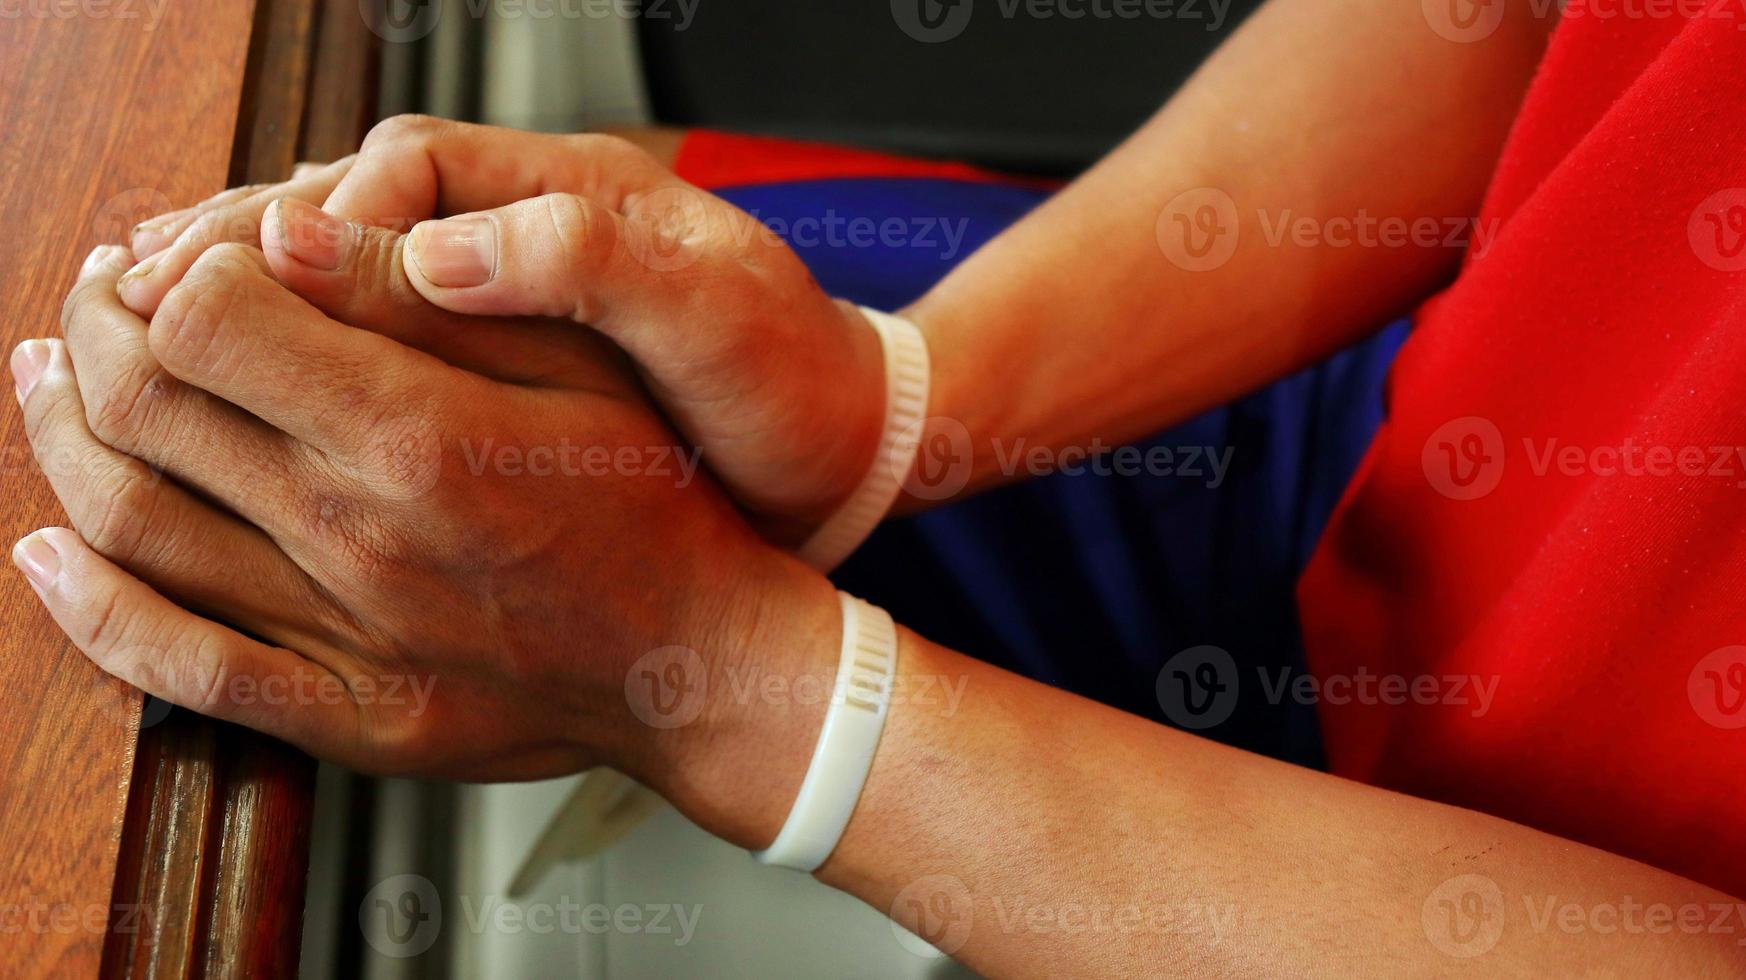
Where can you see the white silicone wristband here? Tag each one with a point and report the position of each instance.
(844, 754)
(906, 402)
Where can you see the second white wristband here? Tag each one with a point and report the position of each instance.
(906, 404)
(846, 745)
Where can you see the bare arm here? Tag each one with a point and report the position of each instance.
(1027, 829)
(1096, 317)
(1030, 831)
(1301, 187)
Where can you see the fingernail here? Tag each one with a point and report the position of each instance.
(455, 252)
(37, 559)
(139, 271)
(149, 238)
(92, 261)
(29, 360)
(309, 234)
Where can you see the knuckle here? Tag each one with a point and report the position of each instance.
(120, 412)
(406, 127)
(408, 451)
(112, 623)
(195, 313)
(671, 227)
(222, 224)
(384, 417)
(84, 301)
(46, 407)
(225, 260)
(120, 511)
(378, 274)
(208, 674)
(575, 224)
(359, 542)
(572, 221)
(161, 216)
(68, 462)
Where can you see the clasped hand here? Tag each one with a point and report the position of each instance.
(297, 445)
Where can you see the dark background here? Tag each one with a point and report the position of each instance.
(1045, 95)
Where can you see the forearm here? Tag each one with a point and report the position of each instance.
(1025, 829)
(1198, 858)
(1085, 320)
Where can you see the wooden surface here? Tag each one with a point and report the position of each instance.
(103, 121)
(215, 855)
(106, 119)
(343, 82)
(217, 842)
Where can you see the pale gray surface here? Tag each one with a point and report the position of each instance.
(562, 74)
(565, 75)
(750, 921)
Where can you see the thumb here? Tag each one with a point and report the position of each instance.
(354, 273)
(341, 268)
(565, 255)
(737, 342)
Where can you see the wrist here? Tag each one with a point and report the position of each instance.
(843, 425)
(767, 660)
(946, 461)
(861, 407)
